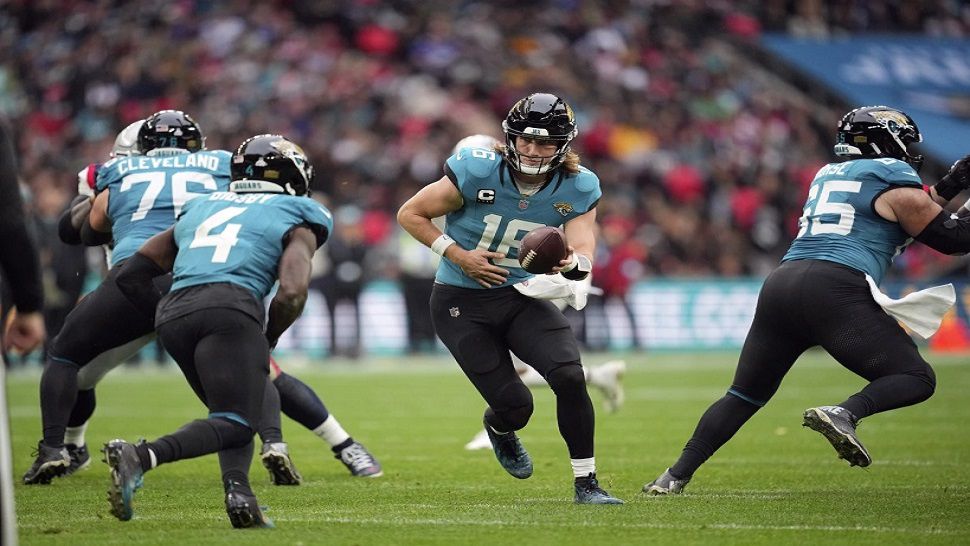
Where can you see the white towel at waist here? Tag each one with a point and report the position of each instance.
(921, 311)
(558, 289)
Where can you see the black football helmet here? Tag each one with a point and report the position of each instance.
(878, 131)
(270, 164)
(170, 129)
(541, 116)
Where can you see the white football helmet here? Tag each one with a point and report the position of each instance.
(126, 143)
(475, 141)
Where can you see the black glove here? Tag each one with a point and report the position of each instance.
(955, 181)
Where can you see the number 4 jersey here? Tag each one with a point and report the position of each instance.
(840, 223)
(237, 238)
(148, 192)
(495, 215)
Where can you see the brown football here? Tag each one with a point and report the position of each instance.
(541, 249)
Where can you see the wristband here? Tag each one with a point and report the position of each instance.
(571, 265)
(579, 269)
(441, 244)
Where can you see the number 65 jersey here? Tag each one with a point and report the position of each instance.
(840, 223)
(237, 238)
(148, 192)
(495, 215)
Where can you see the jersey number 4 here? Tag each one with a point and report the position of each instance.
(811, 220)
(222, 241)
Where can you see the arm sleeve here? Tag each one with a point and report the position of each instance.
(19, 264)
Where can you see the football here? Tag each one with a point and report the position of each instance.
(542, 249)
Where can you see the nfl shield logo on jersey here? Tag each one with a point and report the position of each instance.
(454, 311)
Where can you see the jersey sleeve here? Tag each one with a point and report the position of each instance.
(469, 167)
(317, 218)
(898, 173)
(588, 185)
(108, 174)
(223, 176)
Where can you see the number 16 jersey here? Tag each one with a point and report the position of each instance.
(496, 215)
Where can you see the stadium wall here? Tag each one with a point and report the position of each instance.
(656, 315)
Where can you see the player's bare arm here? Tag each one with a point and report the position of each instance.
(921, 217)
(437, 199)
(294, 277)
(581, 236)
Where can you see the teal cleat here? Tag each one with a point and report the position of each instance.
(510, 453)
(126, 477)
(588, 491)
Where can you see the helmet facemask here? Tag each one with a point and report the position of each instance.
(545, 118)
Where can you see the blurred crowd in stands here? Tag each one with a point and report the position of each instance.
(703, 159)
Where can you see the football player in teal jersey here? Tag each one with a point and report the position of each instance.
(491, 199)
(859, 215)
(157, 165)
(225, 253)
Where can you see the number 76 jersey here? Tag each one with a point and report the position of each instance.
(234, 238)
(840, 223)
(149, 192)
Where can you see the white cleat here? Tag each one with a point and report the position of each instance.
(607, 378)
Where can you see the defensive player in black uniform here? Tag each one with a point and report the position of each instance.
(859, 215)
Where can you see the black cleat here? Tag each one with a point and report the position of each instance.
(276, 458)
(837, 424)
(126, 477)
(510, 453)
(666, 484)
(588, 491)
(359, 461)
(50, 463)
(80, 458)
(244, 512)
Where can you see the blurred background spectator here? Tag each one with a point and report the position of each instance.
(703, 145)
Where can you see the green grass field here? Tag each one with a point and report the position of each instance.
(774, 483)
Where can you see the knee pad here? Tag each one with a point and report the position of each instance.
(515, 408)
(567, 377)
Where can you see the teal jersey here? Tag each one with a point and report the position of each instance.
(840, 223)
(495, 216)
(149, 192)
(237, 238)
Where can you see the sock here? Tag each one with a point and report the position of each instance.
(270, 428)
(300, 403)
(58, 391)
(583, 467)
(234, 464)
(197, 438)
(574, 410)
(75, 435)
(146, 457)
(890, 392)
(718, 424)
(331, 432)
(83, 408)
